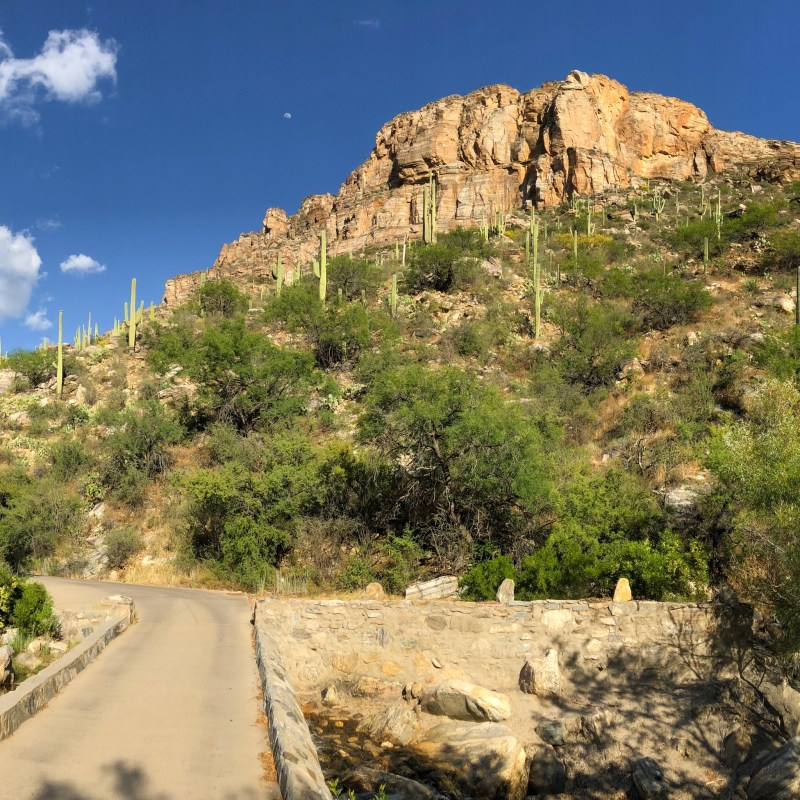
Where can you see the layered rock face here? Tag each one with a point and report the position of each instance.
(494, 150)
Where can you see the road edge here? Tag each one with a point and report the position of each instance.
(37, 691)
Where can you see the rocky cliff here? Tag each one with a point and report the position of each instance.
(497, 149)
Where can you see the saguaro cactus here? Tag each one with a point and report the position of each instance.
(393, 296)
(429, 211)
(60, 363)
(323, 266)
(658, 204)
(132, 322)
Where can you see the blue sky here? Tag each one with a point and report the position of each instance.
(137, 138)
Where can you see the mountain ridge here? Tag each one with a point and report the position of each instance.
(496, 149)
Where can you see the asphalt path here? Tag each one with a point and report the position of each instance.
(169, 711)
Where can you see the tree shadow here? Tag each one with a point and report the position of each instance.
(130, 783)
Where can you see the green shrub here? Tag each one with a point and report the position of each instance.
(449, 265)
(36, 366)
(484, 579)
(353, 276)
(33, 611)
(356, 574)
(783, 254)
(221, 298)
(69, 458)
(122, 544)
(661, 300)
(595, 340)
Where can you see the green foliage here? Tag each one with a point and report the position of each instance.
(783, 254)
(757, 464)
(245, 380)
(449, 265)
(779, 354)
(461, 453)
(138, 450)
(36, 366)
(122, 544)
(662, 300)
(221, 298)
(33, 611)
(595, 340)
(69, 458)
(35, 516)
(609, 527)
(484, 579)
(352, 276)
(10, 587)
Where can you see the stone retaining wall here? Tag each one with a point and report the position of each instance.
(296, 762)
(325, 641)
(33, 694)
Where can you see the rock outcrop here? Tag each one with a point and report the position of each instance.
(494, 150)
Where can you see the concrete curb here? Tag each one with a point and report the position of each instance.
(296, 761)
(35, 693)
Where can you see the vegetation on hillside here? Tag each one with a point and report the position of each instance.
(268, 435)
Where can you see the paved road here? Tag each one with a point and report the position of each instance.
(169, 711)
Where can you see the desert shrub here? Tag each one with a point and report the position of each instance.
(661, 300)
(221, 298)
(68, 459)
(138, 450)
(595, 340)
(757, 465)
(245, 380)
(462, 455)
(783, 254)
(356, 573)
(353, 276)
(35, 366)
(10, 585)
(779, 354)
(484, 579)
(398, 563)
(122, 544)
(33, 611)
(449, 265)
(35, 517)
(172, 343)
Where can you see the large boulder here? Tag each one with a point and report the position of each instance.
(6, 670)
(485, 761)
(396, 724)
(462, 700)
(541, 676)
(778, 778)
(505, 592)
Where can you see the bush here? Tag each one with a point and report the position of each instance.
(784, 252)
(449, 265)
(484, 579)
(595, 340)
(353, 276)
(36, 366)
(33, 611)
(122, 544)
(221, 298)
(661, 300)
(69, 459)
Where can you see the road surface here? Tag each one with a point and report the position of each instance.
(169, 711)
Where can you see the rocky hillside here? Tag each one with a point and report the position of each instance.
(496, 150)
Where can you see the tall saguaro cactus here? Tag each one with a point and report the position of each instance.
(323, 266)
(537, 282)
(429, 211)
(132, 323)
(60, 363)
(393, 297)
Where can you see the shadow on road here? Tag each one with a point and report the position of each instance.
(130, 783)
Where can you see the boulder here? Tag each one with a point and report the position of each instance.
(649, 780)
(736, 748)
(541, 676)
(330, 697)
(778, 777)
(396, 724)
(552, 731)
(365, 780)
(462, 700)
(374, 591)
(505, 593)
(622, 592)
(436, 589)
(485, 761)
(6, 669)
(547, 774)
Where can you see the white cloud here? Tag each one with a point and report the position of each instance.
(38, 321)
(81, 264)
(68, 68)
(367, 23)
(48, 224)
(19, 272)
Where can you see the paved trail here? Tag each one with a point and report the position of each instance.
(167, 712)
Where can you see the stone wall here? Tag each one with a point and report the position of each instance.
(299, 773)
(327, 641)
